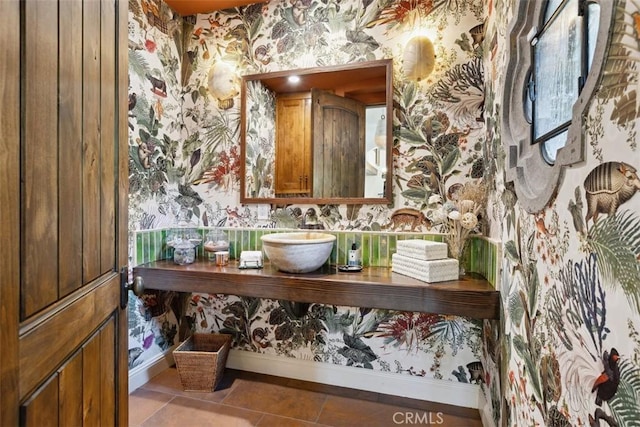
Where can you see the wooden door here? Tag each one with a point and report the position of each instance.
(293, 144)
(338, 146)
(63, 212)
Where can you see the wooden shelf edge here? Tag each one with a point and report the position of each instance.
(374, 287)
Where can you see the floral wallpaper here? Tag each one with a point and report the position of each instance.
(418, 344)
(438, 123)
(566, 350)
(184, 160)
(260, 141)
(567, 347)
(155, 39)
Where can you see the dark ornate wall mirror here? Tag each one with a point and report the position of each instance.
(318, 135)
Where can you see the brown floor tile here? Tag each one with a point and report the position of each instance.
(183, 411)
(245, 398)
(424, 405)
(143, 403)
(168, 381)
(276, 399)
(269, 420)
(346, 412)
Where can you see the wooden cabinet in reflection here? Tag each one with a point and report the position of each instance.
(293, 172)
(319, 145)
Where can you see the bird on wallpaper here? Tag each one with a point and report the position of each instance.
(599, 414)
(607, 383)
(541, 227)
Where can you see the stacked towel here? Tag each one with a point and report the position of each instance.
(424, 260)
(422, 249)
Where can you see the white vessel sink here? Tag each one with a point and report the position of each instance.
(298, 252)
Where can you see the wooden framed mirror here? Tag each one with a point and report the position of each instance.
(325, 139)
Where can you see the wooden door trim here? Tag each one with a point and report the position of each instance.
(122, 214)
(9, 209)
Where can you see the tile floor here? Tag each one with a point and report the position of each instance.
(247, 399)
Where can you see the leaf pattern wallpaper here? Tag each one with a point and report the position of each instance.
(184, 157)
(417, 344)
(570, 274)
(566, 349)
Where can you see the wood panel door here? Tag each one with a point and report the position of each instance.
(63, 212)
(293, 144)
(338, 145)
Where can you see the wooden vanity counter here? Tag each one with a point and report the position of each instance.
(373, 287)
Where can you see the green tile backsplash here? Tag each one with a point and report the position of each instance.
(151, 246)
(482, 255)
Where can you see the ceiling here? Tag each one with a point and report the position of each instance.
(366, 84)
(193, 7)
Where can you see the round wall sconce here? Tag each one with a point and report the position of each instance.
(419, 58)
(223, 84)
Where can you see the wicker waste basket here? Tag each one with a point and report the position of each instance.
(201, 359)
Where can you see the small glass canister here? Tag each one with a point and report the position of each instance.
(184, 252)
(184, 238)
(215, 241)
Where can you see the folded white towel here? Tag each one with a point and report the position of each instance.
(428, 271)
(421, 249)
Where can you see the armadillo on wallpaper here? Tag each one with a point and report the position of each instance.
(566, 350)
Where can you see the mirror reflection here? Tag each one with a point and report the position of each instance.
(324, 138)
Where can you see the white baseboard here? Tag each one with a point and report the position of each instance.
(141, 374)
(439, 391)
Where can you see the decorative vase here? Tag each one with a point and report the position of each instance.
(457, 247)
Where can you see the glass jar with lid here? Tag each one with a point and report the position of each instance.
(215, 241)
(184, 238)
(184, 252)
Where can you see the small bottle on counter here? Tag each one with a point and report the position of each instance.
(353, 258)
